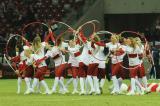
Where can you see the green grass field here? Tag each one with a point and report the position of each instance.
(8, 97)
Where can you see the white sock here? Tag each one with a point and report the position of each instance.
(27, 83)
(133, 86)
(96, 84)
(90, 80)
(68, 82)
(115, 84)
(82, 84)
(62, 78)
(140, 81)
(44, 84)
(145, 82)
(102, 82)
(77, 79)
(35, 83)
(86, 85)
(39, 86)
(55, 84)
(120, 82)
(19, 81)
(138, 84)
(30, 79)
(75, 84)
(62, 84)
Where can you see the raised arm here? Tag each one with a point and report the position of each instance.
(50, 35)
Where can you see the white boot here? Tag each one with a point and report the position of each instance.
(96, 85)
(86, 86)
(82, 86)
(19, 81)
(120, 82)
(68, 82)
(75, 86)
(39, 88)
(60, 87)
(65, 90)
(27, 80)
(116, 88)
(145, 82)
(102, 82)
(133, 87)
(55, 85)
(90, 81)
(34, 84)
(142, 89)
(44, 84)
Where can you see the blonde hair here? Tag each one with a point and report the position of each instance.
(27, 52)
(133, 42)
(139, 42)
(36, 43)
(115, 38)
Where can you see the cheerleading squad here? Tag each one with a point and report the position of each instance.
(86, 65)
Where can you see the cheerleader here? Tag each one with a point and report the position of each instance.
(94, 64)
(62, 44)
(38, 48)
(69, 73)
(15, 60)
(132, 50)
(74, 53)
(60, 65)
(142, 69)
(22, 70)
(92, 70)
(100, 56)
(28, 69)
(83, 65)
(117, 54)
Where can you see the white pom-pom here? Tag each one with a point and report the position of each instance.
(124, 88)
